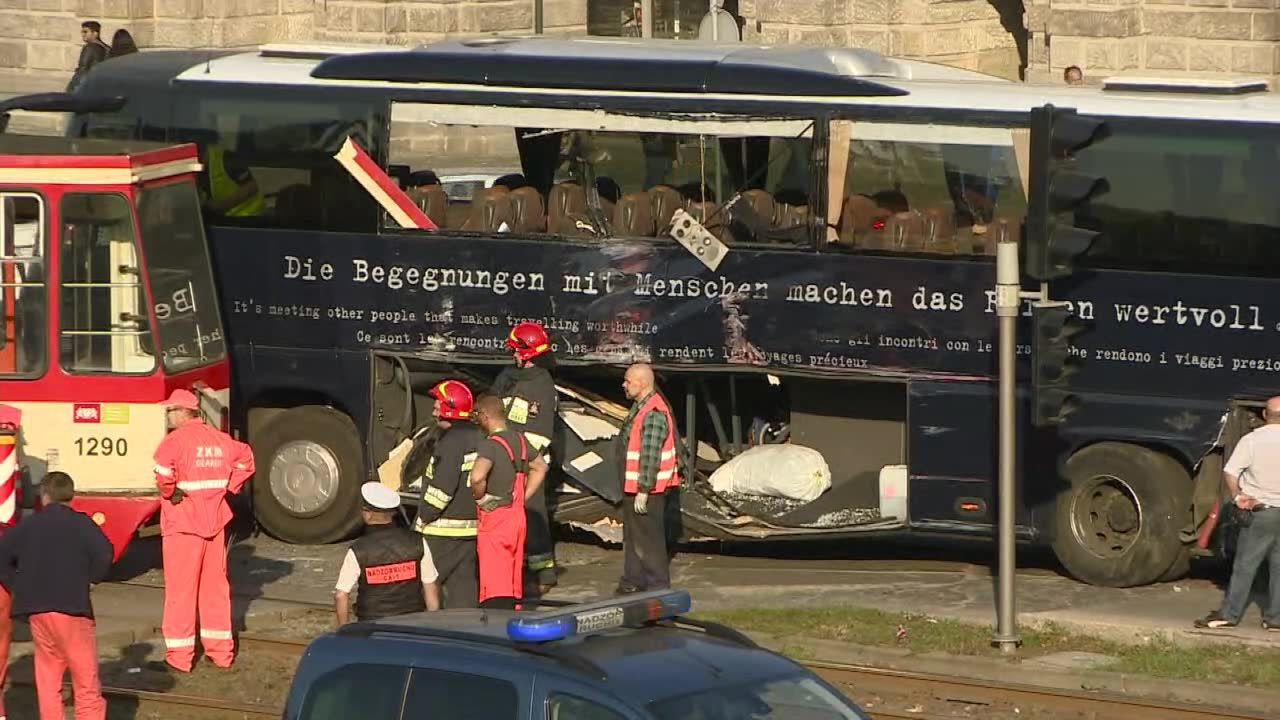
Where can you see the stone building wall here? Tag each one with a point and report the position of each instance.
(1159, 37)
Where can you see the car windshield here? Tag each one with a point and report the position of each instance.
(795, 697)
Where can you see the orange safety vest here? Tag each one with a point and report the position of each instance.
(668, 474)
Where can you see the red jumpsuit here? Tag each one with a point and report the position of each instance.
(500, 535)
(205, 464)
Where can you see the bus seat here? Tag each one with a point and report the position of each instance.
(857, 219)
(456, 214)
(708, 213)
(762, 204)
(940, 231)
(633, 216)
(527, 213)
(666, 200)
(904, 232)
(791, 222)
(566, 206)
(432, 200)
(490, 208)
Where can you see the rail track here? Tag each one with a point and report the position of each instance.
(857, 681)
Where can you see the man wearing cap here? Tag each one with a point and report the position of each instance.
(441, 463)
(389, 566)
(196, 466)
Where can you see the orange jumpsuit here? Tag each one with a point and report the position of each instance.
(205, 464)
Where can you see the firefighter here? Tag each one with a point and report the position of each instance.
(506, 473)
(232, 189)
(390, 567)
(196, 467)
(529, 395)
(447, 511)
(649, 471)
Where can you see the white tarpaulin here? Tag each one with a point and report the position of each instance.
(786, 471)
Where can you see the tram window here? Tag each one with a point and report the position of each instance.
(22, 285)
(1185, 197)
(955, 191)
(604, 184)
(105, 326)
(269, 162)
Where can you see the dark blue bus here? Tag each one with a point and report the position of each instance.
(834, 290)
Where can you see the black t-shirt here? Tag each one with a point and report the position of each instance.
(502, 478)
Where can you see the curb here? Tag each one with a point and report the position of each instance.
(1234, 697)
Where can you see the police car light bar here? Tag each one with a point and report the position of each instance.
(562, 623)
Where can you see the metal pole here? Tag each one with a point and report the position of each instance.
(646, 15)
(537, 17)
(715, 27)
(1007, 297)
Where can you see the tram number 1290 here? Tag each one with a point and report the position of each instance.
(102, 447)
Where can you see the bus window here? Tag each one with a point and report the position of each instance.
(178, 265)
(105, 326)
(22, 285)
(600, 183)
(269, 162)
(1196, 198)
(927, 189)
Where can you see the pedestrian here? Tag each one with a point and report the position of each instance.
(447, 511)
(196, 467)
(93, 52)
(506, 473)
(529, 395)
(649, 470)
(389, 567)
(122, 44)
(50, 560)
(1073, 75)
(1252, 475)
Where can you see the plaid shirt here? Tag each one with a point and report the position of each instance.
(652, 435)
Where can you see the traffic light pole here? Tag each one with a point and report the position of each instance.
(1008, 287)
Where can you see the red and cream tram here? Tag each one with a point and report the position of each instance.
(108, 305)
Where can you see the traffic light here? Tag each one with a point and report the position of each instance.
(1056, 190)
(1053, 364)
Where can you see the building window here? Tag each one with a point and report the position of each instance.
(676, 19)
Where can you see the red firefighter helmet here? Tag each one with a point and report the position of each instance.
(454, 400)
(528, 340)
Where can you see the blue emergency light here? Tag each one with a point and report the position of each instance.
(562, 623)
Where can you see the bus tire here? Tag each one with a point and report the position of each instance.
(1117, 523)
(310, 465)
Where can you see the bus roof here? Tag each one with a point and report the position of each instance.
(840, 79)
(34, 159)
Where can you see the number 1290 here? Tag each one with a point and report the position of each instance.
(104, 446)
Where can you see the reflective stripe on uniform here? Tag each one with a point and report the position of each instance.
(173, 643)
(197, 485)
(448, 527)
(162, 470)
(469, 460)
(540, 562)
(436, 498)
(215, 634)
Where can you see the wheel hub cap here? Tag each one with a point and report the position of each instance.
(304, 477)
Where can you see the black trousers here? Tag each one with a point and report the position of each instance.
(455, 560)
(646, 565)
(539, 550)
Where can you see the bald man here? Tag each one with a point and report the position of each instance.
(649, 471)
(1253, 479)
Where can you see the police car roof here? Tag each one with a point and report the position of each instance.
(640, 664)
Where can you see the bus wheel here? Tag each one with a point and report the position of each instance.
(310, 464)
(1117, 524)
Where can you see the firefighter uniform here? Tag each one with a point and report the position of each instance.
(195, 467)
(649, 466)
(529, 396)
(502, 524)
(447, 511)
(388, 565)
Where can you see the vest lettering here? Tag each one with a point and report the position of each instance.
(387, 574)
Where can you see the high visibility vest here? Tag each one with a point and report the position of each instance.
(668, 474)
(221, 185)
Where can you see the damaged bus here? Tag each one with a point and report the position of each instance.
(800, 240)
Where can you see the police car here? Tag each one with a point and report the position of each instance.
(620, 659)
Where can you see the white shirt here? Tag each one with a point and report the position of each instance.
(349, 574)
(1256, 461)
